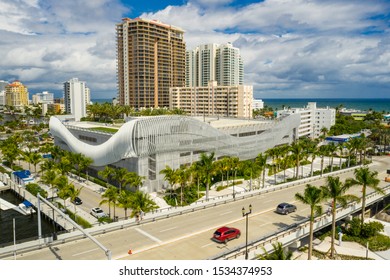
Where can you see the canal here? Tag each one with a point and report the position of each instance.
(26, 226)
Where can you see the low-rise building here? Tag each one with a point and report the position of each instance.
(146, 145)
(313, 119)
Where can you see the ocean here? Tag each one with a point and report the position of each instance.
(363, 104)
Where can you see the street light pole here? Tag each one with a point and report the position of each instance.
(245, 214)
(234, 178)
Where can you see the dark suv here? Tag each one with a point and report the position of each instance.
(77, 200)
(285, 208)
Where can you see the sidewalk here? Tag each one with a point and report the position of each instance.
(348, 248)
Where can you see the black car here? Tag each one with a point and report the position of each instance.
(285, 208)
(77, 200)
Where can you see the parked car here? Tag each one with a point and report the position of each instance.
(97, 212)
(77, 200)
(224, 234)
(285, 208)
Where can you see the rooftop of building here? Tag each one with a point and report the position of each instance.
(152, 21)
(216, 122)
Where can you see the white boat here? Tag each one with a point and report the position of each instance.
(26, 207)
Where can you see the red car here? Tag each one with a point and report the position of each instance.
(224, 234)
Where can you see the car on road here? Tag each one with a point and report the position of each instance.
(285, 208)
(97, 212)
(77, 200)
(224, 234)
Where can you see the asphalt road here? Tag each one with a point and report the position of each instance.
(188, 236)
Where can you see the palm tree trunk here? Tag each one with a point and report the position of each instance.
(363, 204)
(264, 177)
(332, 254)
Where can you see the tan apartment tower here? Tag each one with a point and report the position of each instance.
(16, 94)
(150, 60)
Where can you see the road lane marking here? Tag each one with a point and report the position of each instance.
(208, 244)
(148, 235)
(168, 229)
(81, 253)
(226, 213)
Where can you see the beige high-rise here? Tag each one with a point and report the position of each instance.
(150, 60)
(16, 94)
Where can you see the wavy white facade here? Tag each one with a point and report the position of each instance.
(154, 142)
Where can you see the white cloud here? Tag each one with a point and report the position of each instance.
(292, 47)
(299, 45)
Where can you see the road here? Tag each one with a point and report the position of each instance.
(188, 236)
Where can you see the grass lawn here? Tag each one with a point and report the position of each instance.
(105, 129)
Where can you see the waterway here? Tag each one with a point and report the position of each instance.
(26, 226)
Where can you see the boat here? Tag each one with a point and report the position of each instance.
(26, 207)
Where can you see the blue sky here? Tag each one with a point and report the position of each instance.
(291, 49)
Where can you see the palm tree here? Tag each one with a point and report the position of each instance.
(84, 163)
(285, 162)
(335, 190)
(106, 174)
(142, 202)
(278, 253)
(125, 200)
(169, 176)
(121, 176)
(64, 165)
(134, 180)
(297, 149)
(62, 184)
(340, 148)
(35, 159)
(49, 178)
(312, 150)
(313, 197)
(47, 164)
(324, 132)
(182, 176)
(323, 152)
(73, 192)
(261, 160)
(332, 148)
(110, 197)
(207, 167)
(366, 178)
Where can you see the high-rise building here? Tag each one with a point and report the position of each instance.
(44, 97)
(16, 94)
(2, 92)
(214, 100)
(214, 62)
(3, 84)
(76, 98)
(150, 60)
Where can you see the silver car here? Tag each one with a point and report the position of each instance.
(285, 208)
(98, 213)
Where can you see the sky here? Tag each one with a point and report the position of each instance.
(290, 48)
